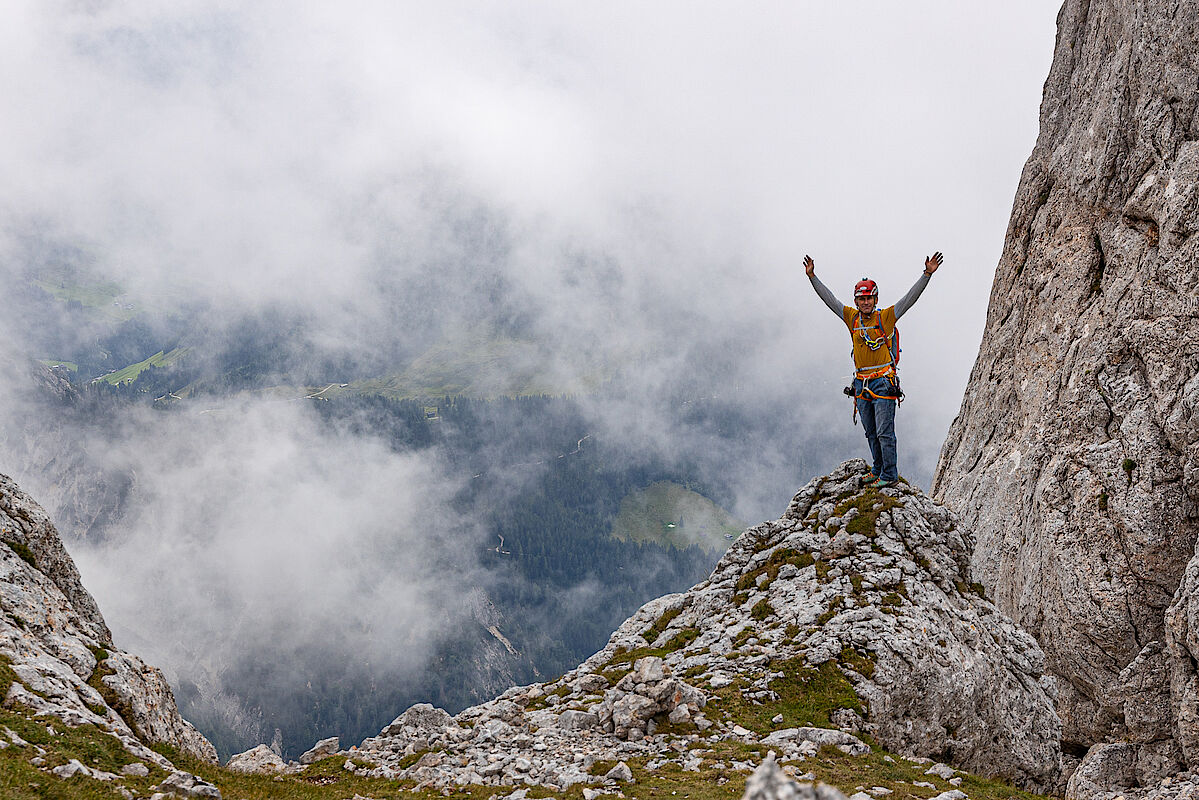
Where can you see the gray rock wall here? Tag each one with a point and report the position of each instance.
(24, 523)
(1075, 457)
(60, 651)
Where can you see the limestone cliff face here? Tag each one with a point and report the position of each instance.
(1075, 457)
(58, 651)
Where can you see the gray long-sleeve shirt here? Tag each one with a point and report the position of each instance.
(905, 302)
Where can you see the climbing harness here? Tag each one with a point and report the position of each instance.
(865, 376)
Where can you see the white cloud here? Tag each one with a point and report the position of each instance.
(251, 524)
(640, 179)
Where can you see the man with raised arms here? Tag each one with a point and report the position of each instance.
(875, 355)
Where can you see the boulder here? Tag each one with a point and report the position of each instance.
(820, 737)
(1107, 769)
(572, 720)
(322, 749)
(261, 759)
(421, 719)
(769, 782)
(184, 784)
(620, 773)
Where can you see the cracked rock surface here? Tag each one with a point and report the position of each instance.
(867, 588)
(1075, 457)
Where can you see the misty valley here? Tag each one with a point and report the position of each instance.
(409, 545)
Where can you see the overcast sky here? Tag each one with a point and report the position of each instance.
(264, 150)
(633, 176)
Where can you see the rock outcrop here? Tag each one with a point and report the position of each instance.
(1075, 457)
(770, 783)
(57, 650)
(859, 597)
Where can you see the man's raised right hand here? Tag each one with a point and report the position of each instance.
(809, 266)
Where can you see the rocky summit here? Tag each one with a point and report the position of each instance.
(59, 671)
(850, 620)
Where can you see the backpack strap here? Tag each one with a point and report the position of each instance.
(891, 341)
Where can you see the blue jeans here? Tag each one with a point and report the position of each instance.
(878, 421)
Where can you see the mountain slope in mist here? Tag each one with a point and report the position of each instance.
(850, 615)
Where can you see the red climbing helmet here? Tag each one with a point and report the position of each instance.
(865, 288)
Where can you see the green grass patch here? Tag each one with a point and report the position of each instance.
(747, 581)
(87, 743)
(770, 568)
(663, 622)
(832, 766)
(971, 588)
(55, 362)
(671, 781)
(1128, 465)
(68, 286)
(865, 501)
(7, 676)
(130, 373)
(19, 779)
(114, 701)
(761, 610)
(835, 605)
(23, 551)
(672, 515)
(681, 639)
(324, 780)
(622, 661)
(807, 696)
(336, 762)
(543, 701)
(861, 663)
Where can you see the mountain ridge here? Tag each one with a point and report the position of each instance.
(845, 629)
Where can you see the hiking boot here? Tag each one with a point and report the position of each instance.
(881, 484)
(869, 478)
